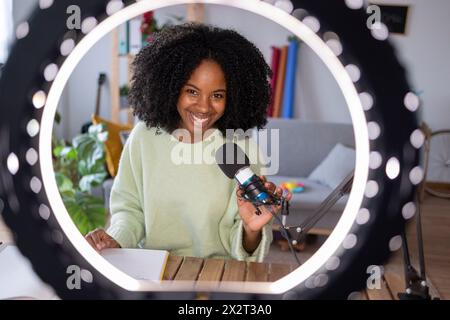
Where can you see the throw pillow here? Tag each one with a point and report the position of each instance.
(335, 167)
(113, 144)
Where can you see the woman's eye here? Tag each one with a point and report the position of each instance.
(192, 92)
(218, 96)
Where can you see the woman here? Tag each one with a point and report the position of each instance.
(190, 85)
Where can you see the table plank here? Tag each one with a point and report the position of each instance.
(364, 295)
(257, 272)
(212, 270)
(278, 270)
(190, 269)
(382, 293)
(234, 270)
(172, 267)
(395, 281)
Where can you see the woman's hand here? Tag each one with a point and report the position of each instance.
(254, 223)
(100, 240)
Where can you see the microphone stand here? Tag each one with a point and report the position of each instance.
(302, 229)
(416, 282)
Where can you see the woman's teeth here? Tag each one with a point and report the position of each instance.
(199, 119)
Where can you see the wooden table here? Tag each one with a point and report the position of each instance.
(197, 269)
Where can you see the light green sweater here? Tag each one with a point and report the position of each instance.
(158, 201)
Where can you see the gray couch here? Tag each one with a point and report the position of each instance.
(303, 145)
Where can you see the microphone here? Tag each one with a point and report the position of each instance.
(234, 163)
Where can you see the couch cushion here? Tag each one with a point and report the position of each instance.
(313, 195)
(335, 167)
(302, 144)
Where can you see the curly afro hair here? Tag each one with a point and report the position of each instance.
(162, 68)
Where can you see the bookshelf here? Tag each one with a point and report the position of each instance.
(115, 81)
(194, 13)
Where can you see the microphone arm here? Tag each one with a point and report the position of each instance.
(303, 228)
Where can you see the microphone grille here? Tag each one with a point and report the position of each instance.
(231, 158)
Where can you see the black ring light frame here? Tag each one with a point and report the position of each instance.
(50, 251)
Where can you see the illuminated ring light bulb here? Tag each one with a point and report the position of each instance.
(33, 208)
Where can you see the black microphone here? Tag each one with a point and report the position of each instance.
(234, 163)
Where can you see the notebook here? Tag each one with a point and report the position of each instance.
(141, 264)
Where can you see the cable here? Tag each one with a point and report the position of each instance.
(284, 233)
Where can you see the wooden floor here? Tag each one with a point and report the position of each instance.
(436, 238)
(436, 235)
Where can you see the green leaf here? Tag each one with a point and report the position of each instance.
(68, 153)
(89, 181)
(86, 211)
(57, 151)
(103, 136)
(63, 182)
(97, 128)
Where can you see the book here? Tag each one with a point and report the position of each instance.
(273, 81)
(17, 278)
(141, 264)
(289, 81)
(278, 99)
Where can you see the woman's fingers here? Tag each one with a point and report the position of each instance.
(288, 196)
(91, 242)
(95, 237)
(270, 187)
(100, 240)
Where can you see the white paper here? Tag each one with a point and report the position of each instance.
(141, 264)
(17, 278)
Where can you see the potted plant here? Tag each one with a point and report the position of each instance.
(79, 167)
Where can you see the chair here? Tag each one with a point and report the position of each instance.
(436, 157)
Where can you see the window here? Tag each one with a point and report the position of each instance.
(6, 26)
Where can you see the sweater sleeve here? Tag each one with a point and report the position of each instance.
(127, 217)
(237, 231)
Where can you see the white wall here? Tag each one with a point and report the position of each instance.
(423, 50)
(81, 90)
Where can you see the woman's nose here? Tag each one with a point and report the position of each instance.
(204, 104)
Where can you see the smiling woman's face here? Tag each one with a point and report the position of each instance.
(202, 99)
